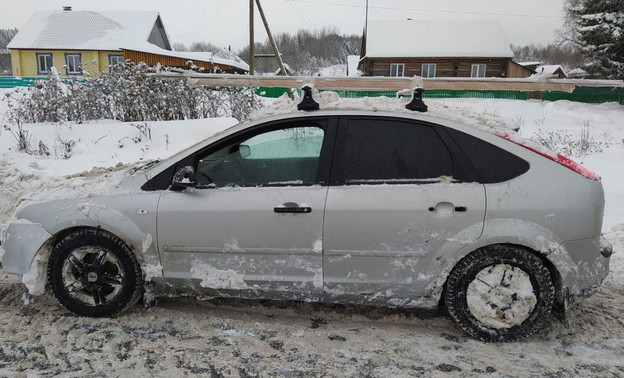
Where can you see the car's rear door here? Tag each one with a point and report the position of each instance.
(401, 194)
(255, 219)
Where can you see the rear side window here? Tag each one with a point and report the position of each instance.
(394, 151)
(493, 164)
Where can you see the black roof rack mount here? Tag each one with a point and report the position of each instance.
(308, 102)
(417, 103)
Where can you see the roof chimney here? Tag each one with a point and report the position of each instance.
(67, 8)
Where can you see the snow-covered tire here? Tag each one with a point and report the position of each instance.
(500, 311)
(94, 273)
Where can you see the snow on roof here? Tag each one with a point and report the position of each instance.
(145, 47)
(536, 63)
(352, 64)
(436, 38)
(84, 30)
(549, 69)
(578, 71)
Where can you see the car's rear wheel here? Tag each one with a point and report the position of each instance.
(500, 293)
(94, 273)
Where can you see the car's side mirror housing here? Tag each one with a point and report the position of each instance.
(184, 178)
(244, 151)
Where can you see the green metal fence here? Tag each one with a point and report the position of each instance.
(580, 94)
(592, 95)
(14, 82)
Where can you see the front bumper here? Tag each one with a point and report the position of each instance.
(21, 240)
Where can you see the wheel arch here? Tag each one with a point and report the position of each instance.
(63, 233)
(555, 274)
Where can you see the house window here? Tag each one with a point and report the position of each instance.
(115, 62)
(396, 69)
(73, 64)
(44, 63)
(428, 70)
(478, 70)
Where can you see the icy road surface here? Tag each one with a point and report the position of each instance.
(249, 338)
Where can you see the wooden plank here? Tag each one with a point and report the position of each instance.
(371, 83)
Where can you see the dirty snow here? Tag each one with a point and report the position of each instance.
(490, 296)
(151, 271)
(247, 338)
(217, 278)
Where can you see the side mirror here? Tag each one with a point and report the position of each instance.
(244, 151)
(184, 178)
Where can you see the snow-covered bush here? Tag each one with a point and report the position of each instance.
(128, 94)
(582, 143)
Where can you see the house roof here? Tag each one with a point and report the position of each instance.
(84, 30)
(436, 38)
(232, 59)
(534, 63)
(549, 70)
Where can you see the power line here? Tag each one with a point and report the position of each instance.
(425, 10)
(304, 13)
(301, 15)
(206, 21)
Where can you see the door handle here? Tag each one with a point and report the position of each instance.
(447, 208)
(292, 207)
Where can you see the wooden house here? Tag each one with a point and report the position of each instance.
(84, 43)
(438, 48)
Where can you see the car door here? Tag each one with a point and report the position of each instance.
(401, 194)
(254, 220)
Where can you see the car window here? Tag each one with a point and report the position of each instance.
(492, 163)
(288, 156)
(394, 151)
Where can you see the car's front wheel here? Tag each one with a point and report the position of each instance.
(500, 293)
(94, 273)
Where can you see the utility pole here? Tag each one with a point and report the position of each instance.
(275, 50)
(366, 22)
(252, 44)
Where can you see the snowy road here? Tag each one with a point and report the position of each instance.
(250, 338)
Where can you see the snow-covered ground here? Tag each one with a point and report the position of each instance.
(248, 338)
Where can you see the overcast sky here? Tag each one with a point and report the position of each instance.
(226, 22)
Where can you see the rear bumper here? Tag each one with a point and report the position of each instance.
(588, 268)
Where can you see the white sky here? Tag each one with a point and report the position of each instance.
(226, 22)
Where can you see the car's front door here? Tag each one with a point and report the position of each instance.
(255, 219)
(400, 195)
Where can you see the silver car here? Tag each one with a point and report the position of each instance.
(390, 209)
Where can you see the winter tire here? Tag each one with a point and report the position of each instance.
(94, 273)
(500, 293)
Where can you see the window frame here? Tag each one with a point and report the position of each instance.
(458, 159)
(478, 66)
(401, 65)
(163, 180)
(422, 69)
(110, 61)
(45, 55)
(266, 162)
(72, 55)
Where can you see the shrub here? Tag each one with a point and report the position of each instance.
(579, 144)
(127, 94)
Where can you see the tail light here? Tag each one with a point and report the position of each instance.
(557, 158)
